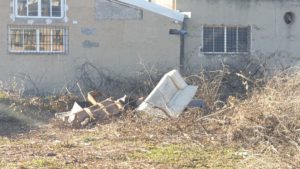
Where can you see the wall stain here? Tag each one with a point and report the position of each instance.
(90, 44)
(88, 31)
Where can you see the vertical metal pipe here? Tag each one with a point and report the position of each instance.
(182, 43)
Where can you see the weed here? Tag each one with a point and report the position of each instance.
(191, 156)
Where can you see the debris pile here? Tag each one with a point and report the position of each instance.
(169, 98)
(81, 116)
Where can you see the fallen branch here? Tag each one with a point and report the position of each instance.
(214, 114)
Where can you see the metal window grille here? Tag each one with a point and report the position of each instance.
(243, 34)
(34, 39)
(226, 39)
(208, 39)
(231, 39)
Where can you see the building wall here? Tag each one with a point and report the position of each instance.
(273, 42)
(113, 42)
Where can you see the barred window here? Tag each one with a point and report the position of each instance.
(226, 39)
(39, 8)
(38, 39)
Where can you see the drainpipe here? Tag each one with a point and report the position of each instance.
(182, 32)
(182, 38)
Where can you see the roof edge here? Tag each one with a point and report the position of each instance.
(156, 9)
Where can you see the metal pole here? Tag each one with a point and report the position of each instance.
(182, 43)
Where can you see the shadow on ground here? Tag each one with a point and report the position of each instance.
(15, 120)
(11, 126)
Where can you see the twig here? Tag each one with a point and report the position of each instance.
(81, 92)
(244, 77)
(148, 73)
(214, 114)
(27, 78)
(68, 90)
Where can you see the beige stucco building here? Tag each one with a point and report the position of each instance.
(239, 33)
(48, 41)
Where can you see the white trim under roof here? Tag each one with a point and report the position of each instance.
(156, 9)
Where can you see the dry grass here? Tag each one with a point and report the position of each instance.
(209, 87)
(269, 120)
(270, 114)
(121, 144)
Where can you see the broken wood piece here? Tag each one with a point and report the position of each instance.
(88, 115)
(111, 107)
(94, 97)
(99, 111)
(79, 117)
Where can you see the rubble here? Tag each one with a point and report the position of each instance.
(99, 111)
(170, 97)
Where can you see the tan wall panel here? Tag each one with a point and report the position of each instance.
(122, 44)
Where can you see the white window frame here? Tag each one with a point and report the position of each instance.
(225, 39)
(38, 43)
(63, 11)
